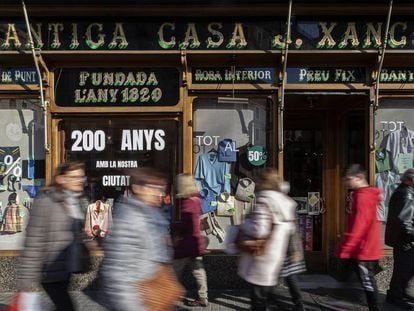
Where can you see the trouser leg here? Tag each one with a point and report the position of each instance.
(365, 270)
(179, 266)
(200, 276)
(58, 293)
(258, 297)
(294, 289)
(402, 272)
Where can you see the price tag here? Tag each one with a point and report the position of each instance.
(257, 155)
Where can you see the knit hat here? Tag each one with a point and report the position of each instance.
(185, 186)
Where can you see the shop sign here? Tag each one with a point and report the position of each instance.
(312, 75)
(117, 87)
(124, 140)
(18, 76)
(257, 155)
(397, 75)
(228, 76)
(168, 34)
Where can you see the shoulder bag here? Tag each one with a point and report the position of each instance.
(161, 292)
(254, 247)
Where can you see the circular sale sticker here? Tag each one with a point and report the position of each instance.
(257, 155)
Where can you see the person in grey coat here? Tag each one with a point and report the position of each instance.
(139, 242)
(53, 237)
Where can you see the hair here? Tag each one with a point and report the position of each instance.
(408, 175)
(355, 170)
(185, 186)
(146, 175)
(268, 179)
(66, 167)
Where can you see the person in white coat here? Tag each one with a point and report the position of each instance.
(273, 219)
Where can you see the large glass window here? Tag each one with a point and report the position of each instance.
(22, 166)
(394, 137)
(111, 145)
(231, 141)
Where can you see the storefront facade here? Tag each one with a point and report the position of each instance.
(206, 91)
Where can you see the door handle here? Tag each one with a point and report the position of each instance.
(323, 206)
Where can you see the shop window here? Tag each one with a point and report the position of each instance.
(22, 166)
(394, 138)
(231, 142)
(109, 146)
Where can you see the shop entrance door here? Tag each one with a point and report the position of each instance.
(322, 135)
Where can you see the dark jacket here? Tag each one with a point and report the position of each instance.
(399, 231)
(189, 242)
(49, 235)
(138, 244)
(362, 238)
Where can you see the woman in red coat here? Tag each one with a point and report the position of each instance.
(189, 245)
(362, 242)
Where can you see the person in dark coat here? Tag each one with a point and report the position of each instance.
(53, 237)
(189, 245)
(362, 243)
(399, 234)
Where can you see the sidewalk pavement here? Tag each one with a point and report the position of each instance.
(320, 292)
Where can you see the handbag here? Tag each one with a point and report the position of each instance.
(161, 292)
(245, 190)
(225, 204)
(254, 247)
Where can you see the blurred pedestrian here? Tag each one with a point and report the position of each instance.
(139, 244)
(189, 245)
(399, 234)
(52, 250)
(272, 220)
(362, 244)
(294, 262)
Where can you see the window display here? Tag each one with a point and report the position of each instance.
(109, 146)
(394, 138)
(230, 143)
(22, 166)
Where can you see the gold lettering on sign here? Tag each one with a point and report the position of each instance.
(214, 32)
(190, 35)
(392, 41)
(161, 40)
(349, 35)
(371, 32)
(55, 28)
(119, 35)
(37, 36)
(74, 43)
(238, 39)
(101, 37)
(327, 41)
(11, 36)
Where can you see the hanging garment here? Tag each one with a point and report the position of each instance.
(212, 174)
(13, 219)
(98, 214)
(399, 142)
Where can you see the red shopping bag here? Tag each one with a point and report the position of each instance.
(14, 305)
